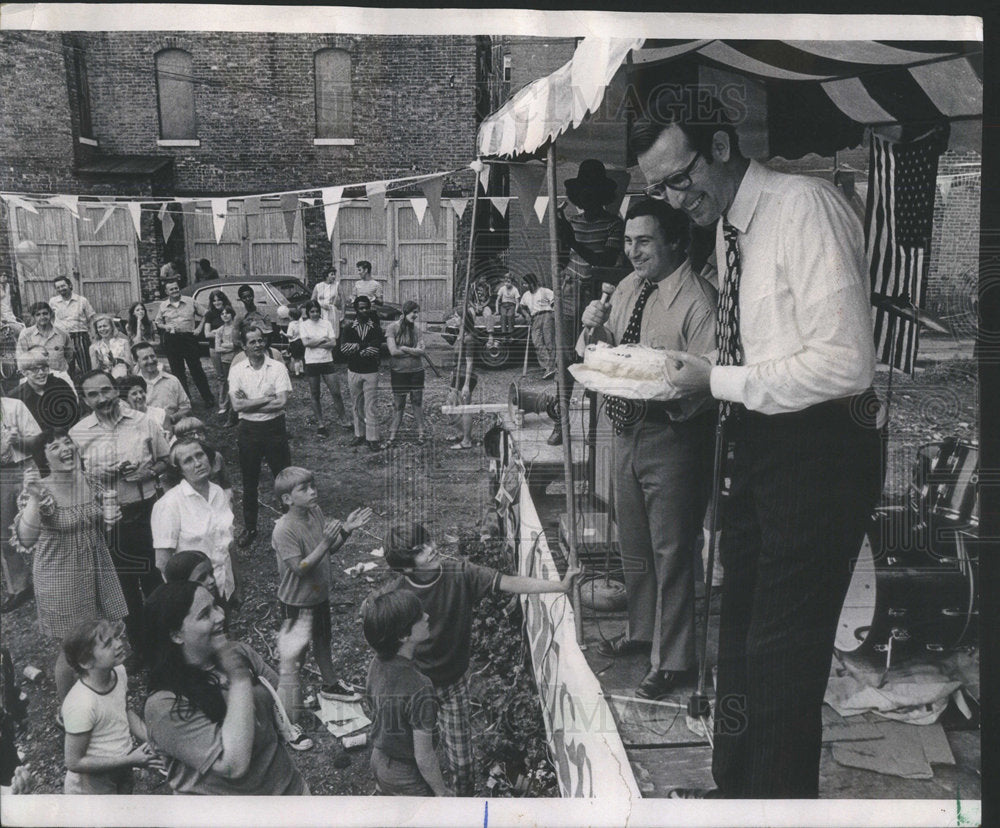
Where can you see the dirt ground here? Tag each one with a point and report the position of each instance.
(451, 492)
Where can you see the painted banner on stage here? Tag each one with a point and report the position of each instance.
(584, 743)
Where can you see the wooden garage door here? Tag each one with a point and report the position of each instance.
(423, 261)
(361, 234)
(107, 260)
(227, 256)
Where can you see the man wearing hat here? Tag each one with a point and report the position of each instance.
(595, 239)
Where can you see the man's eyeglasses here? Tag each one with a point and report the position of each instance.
(36, 369)
(679, 181)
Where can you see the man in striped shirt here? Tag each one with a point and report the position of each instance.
(595, 238)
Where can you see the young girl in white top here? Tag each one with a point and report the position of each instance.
(226, 346)
(99, 726)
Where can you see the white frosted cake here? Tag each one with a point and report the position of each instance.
(627, 361)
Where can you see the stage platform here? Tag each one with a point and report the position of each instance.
(607, 743)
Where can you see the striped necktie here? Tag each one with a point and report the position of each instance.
(727, 329)
(621, 411)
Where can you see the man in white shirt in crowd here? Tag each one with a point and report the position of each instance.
(258, 389)
(43, 334)
(19, 437)
(797, 364)
(74, 314)
(128, 451)
(366, 285)
(163, 390)
(537, 303)
(177, 320)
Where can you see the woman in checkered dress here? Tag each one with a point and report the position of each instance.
(62, 526)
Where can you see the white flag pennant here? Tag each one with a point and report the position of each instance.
(624, 208)
(220, 208)
(331, 206)
(107, 214)
(419, 206)
(166, 222)
(458, 205)
(135, 210)
(541, 204)
(67, 201)
(500, 202)
(14, 201)
(484, 178)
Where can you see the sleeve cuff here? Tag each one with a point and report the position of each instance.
(727, 382)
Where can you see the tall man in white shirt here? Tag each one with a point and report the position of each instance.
(258, 389)
(662, 450)
(74, 314)
(537, 303)
(793, 370)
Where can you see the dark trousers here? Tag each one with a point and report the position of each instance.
(803, 489)
(268, 441)
(183, 349)
(81, 353)
(131, 545)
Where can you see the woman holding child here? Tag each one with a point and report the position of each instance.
(209, 712)
(62, 525)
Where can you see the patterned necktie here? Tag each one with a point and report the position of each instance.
(727, 329)
(621, 411)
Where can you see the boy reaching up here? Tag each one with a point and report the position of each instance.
(302, 540)
(448, 589)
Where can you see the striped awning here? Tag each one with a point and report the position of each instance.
(807, 96)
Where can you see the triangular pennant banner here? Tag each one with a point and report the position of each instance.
(67, 201)
(624, 208)
(458, 205)
(166, 222)
(376, 196)
(419, 206)
(525, 181)
(500, 202)
(107, 214)
(14, 201)
(220, 209)
(432, 192)
(541, 203)
(484, 179)
(135, 210)
(289, 208)
(331, 206)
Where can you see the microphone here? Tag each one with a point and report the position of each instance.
(607, 291)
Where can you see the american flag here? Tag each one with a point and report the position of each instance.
(899, 216)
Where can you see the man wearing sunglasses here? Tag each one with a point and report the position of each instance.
(793, 369)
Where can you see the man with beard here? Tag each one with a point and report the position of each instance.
(127, 452)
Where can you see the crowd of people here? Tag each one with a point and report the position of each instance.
(770, 349)
(125, 510)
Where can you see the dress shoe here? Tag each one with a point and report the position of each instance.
(246, 537)
(12, 602)
(374, 445)
(357, 441)
(658, 683)
(555, 438)
(622, 646)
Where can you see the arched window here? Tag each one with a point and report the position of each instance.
(175, 91)
(334, 111)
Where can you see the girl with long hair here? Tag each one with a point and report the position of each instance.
(319, 339)
(110, 351)
(209, 712)
(139, 326)
(406, 349)
(217, 302)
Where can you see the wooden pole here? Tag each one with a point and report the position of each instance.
(468, 279)
(561, 359)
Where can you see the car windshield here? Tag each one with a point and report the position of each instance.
(291, 290)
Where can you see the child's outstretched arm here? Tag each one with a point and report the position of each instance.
(530, 586)
(427, 762)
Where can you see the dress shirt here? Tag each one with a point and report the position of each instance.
(541, 300)
(372, 288)
(805, 315)
(134, 437)
(271, 378)
(15, 416)
(183, 317)
(73, 315)
(165, 391)
(679, 316)
(183, 519)
(56, 342)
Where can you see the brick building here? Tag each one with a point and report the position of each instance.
(214, 114)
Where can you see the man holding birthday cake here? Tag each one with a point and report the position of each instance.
(662, 449)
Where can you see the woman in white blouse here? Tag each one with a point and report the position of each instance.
(327, 293)
(319, 337)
